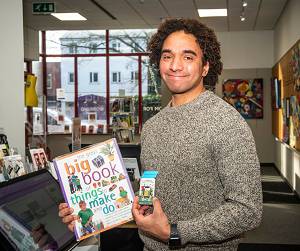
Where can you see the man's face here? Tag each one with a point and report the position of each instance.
(181, 63)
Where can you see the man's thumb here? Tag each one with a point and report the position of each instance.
(156, 205)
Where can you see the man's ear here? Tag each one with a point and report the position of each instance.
(205, 69)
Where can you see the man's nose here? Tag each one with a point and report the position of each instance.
(176, 64)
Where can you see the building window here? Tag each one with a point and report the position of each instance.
(71, 77)
(116, 77)
(73, 48)
(93, 48)
(134, 77)
(94, 77)
(49, 81)
(116, 46)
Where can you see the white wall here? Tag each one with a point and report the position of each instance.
(261, 128)
(286, 33)
(11, 72)
(31, 44)
(246, 49)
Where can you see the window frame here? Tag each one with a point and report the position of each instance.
(108, 54)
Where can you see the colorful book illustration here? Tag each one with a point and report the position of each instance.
(14, 166)
(95, 184)
(39, 158)
(147, 187)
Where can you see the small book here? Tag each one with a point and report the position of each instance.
(14, 166)
(147, 187)
(96, 185)
(39, 158)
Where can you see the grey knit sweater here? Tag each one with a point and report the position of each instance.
(209, 175)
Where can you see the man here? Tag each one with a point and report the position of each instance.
(208, 188)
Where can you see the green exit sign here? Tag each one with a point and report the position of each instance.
(43, 8)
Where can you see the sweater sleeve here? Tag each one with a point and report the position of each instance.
(239, 172)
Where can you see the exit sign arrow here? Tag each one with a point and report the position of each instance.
(43, 8)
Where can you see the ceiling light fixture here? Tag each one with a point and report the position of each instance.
(242, 16)
(69, 16)
(212, 12)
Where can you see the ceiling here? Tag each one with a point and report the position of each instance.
(136, 14)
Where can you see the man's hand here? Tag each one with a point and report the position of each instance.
(66, 214)
(43, 239)
(156, 224)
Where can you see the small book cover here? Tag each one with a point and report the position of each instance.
(96, 185)
(147, 187)
(39, 158)
(14, 166)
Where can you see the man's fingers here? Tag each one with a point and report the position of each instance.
(69, 219)
(135, 211)
(156, 206)
(65, 212)
(43, 241)
(71, 226)
(62, 206)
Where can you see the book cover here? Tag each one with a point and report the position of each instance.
(39, 158)
(95, 184)
(14, 166)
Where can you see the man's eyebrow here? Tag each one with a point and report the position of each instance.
(166, 50)
(190, 51)
(184, 51)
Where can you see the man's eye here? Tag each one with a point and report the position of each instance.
(188, 58)
(166, 57)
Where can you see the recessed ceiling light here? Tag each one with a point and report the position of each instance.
(69, 16)
(212, 12)
(244, 3)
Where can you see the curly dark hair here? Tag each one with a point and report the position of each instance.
(206, 38)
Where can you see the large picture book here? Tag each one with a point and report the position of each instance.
(96, 185)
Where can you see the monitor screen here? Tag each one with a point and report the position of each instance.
(29, 212)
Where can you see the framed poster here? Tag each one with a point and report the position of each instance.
(246, 95)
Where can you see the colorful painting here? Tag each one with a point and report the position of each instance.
(295, 115)
(295, 63)
(285, 119)
(246, 96)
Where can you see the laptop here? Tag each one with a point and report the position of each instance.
(28, 205)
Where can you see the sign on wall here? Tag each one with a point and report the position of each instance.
(43, 8)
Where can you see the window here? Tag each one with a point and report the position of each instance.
(71, 77)
(72, 48)
(91, 93)
(93, 48)
(134, 77)
(116, 46)
(49, 81)
(116, 77)
(94, 77)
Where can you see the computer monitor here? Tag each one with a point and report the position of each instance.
(28, 203)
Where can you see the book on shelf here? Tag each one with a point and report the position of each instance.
(122, 104)
(123, 135)
(96, 185)
(13, 166)
(122, 121)
(39, 158)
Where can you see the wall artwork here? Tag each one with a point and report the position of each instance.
(246, 95)
(276, 93)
